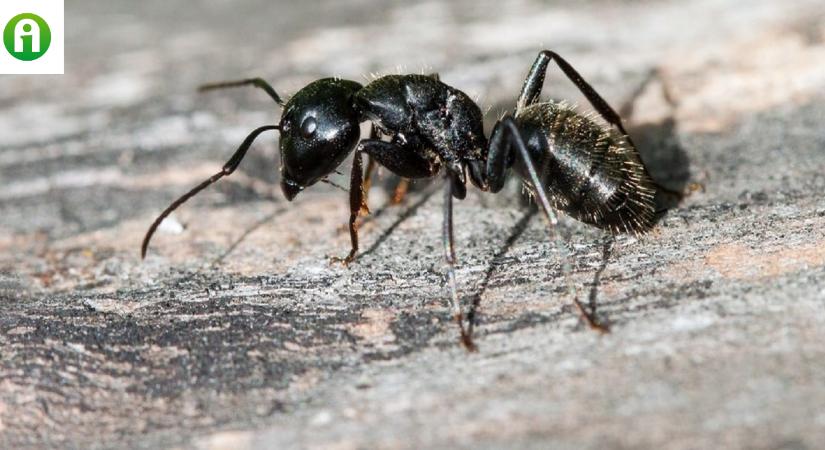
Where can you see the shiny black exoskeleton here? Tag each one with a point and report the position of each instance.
(421, 126)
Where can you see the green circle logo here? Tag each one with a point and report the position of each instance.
(27, 37)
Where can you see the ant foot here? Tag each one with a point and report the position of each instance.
(590, 320)
(693, 188)
(343, 261)
(466, 336)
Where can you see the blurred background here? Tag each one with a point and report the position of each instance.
(127, 107)
(237, 332)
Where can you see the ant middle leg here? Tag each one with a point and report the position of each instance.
(448, 239)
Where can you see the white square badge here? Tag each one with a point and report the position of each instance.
(32, 37)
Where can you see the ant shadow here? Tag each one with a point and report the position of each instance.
(248, 231)
(406, 214)
(593, 297)
(666, 160)
(517, 230)
(658, 144)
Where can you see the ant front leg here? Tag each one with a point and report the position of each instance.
(367, 185)
(356, 202)
(400, 160)
(535, 81)
(506, 144)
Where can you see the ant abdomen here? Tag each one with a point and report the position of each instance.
(590, 169)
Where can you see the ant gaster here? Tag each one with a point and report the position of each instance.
(568, 161)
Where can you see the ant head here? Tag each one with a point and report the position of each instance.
(319, 128)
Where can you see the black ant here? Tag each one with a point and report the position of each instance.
(568, 161)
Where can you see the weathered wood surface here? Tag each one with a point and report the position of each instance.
(236, 331)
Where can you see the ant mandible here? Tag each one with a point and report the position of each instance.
(568, 161)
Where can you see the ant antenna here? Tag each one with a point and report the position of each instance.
(257, 82)
(227, 169)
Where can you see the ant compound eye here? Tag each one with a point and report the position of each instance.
(308, 127)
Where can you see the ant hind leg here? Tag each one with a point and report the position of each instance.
(506, 138)
(535, 81)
